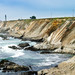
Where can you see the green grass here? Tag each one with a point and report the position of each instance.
(29, 20)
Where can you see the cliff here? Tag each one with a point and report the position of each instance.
(62, 38)
(55, 32)
(33, 29)
(58, 35)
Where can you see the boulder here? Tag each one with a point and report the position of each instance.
(22, 45)
(45, 52)
(6, 65)
(32, 73)
(4, 37)
(31, 48)
(13, 47)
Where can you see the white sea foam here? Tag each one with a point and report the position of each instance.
(17, 54)
(44, 64)
(0, 38)
(14, 53)
(26, 57)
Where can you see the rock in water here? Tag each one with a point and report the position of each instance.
(22, 45)
(6, 65)
(45, 52)
(13, 47)
(32, 48)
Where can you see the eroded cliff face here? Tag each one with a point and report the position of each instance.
(68, 42)
(56, 33)
(61, 38)
(67, 39)
(33, 29)
(14, 28)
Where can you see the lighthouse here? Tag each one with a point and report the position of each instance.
(5, 17)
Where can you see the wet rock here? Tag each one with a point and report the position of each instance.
(31, 48)
(33, 39)
(56, 66)
(8, 66)
(45, 46)
(22, 45)
(32, 73)
(4, 37)
(3, 71)
(45, 52)
(14, 47)
(37, 40)
(16, 68)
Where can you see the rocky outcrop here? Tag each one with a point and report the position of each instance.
(14, 28)
(63, 36)
(67, 41)
(14, 47)
(7, 66)
(31, 29)
(22, 45)
(64, 68)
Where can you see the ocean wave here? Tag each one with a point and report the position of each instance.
(14, 53)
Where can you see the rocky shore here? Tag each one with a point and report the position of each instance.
(64, 68)
(56, 35)
(7, 66)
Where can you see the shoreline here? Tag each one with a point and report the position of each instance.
(64, 68)
(43, 50)
(51, 34)
(50, 68)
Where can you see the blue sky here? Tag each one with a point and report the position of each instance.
(23, 9)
